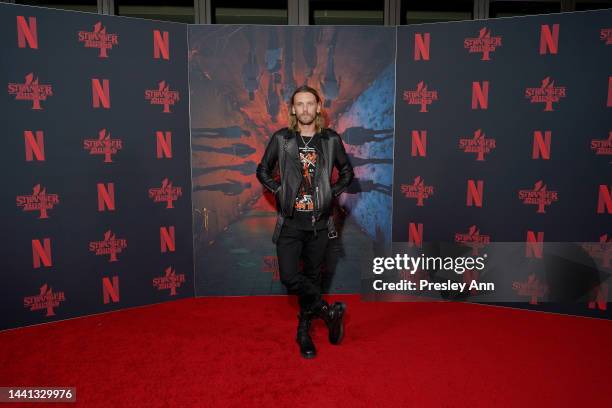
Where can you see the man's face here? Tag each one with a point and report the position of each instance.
(305, 107)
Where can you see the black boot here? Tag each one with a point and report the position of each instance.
(333, 316)
(307, 347)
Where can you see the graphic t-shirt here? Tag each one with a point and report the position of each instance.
(305, 198)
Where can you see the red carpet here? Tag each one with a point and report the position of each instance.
(240, 351)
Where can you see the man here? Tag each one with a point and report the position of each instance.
(306, 154)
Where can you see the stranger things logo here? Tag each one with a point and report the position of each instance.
(484, 43)
(110, 245)
(421, 96)
(40, 200)
(45, 300)
(162, 96)
(171, 280)
(602, 250)
(479, 144)
(602, 147)
(30, 90)
(98, 38)
(606, 35)
(540, 196)
(532, 288)
(473, 239)
(103, 145)
(166, 193)
(547, 94)
(417, 190)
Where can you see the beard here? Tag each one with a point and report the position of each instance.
(305, 119)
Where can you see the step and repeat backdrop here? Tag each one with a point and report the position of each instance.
(241, 80)
(129, 142)
(503, 146)
(96, 203)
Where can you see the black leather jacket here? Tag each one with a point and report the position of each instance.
(283, 148)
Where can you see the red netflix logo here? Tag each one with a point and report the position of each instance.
(164, 144)
(604, 199)
(547, 93)
(419, 143)
(103, 145)
(100, 93)
(26, 32)
(602, 147)
(31, 90)
(163, 95)
(34, 145)
(168, 239)
(161, 45)
(171, 280)
(166, 193)
(110, 290)
(415, 235)
(111, 246)
(421, 96)
(38, 201)
(540, 196)
(475, 193)
(421, 46)
(541, 145)
(106, 197)
(532, 288)
(480, 95)
(478, 144)
(45, 300)
(549, 39)
(534, 245)
(601, 250)
(473, 239)
(98, 38)
(605, 35)
(41, 253)
(270, 265)
(484, 43)
(417, 190)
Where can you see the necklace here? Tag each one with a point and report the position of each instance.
(303, 141)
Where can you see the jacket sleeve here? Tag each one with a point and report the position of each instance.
(266, 166)
(344, 167)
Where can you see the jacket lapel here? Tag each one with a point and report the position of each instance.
(291, 149)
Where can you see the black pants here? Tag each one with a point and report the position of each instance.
(291, 245)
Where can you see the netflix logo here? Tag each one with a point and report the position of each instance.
(98, 38)
(39, 200)
(30, 90)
